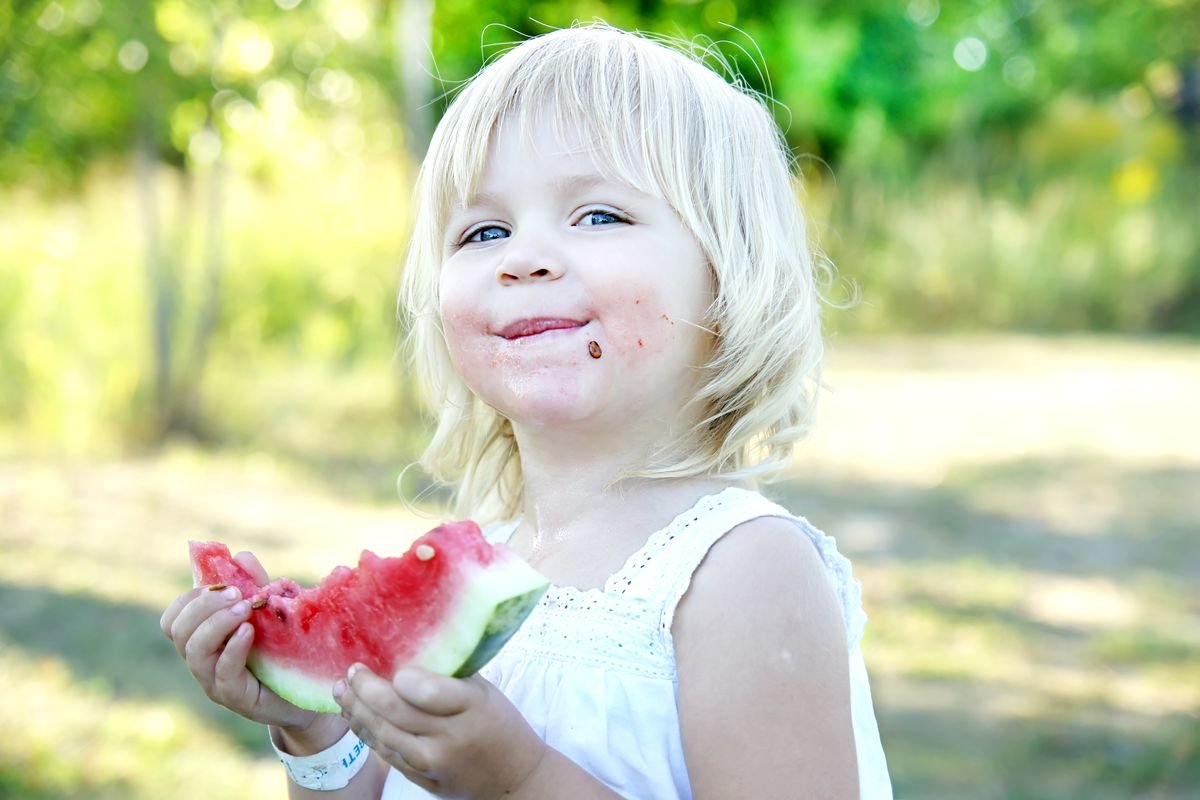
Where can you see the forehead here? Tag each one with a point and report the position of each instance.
(524, 147)
(541, 137)
(564, 145)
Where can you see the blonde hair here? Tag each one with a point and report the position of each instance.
(669, 126)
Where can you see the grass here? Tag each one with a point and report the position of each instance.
(1022, 512)
(91, 551)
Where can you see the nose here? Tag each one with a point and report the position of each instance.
(528, 261)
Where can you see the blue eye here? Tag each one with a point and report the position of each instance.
(598, 216)
(488, 233)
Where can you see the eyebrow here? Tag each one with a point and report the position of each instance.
(564, 185)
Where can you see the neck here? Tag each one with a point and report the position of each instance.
(575, 490)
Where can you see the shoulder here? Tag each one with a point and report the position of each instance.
(760, 645)
(762, 567)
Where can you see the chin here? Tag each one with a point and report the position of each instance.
(544, 400)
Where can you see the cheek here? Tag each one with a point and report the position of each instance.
(456, 327)
(640, 322)
(461, 323)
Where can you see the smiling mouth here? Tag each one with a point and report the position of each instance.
(533, 327)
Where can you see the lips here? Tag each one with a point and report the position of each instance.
(536, 325)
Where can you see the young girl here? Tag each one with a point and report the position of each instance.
(615, 315)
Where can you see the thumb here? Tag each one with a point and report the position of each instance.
(247, 561)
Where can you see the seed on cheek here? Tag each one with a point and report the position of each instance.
(594, 349)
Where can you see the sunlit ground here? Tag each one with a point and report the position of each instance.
(1022, 511)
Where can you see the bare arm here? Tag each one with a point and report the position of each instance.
(764, 688)
(558, 776)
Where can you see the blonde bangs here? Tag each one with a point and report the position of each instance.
(659, 120)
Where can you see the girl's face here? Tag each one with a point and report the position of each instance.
(553, 264)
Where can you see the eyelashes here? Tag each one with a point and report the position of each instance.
(493, 231)
(478, 234)
(600, 212)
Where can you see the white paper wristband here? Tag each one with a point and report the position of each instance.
(329, 770)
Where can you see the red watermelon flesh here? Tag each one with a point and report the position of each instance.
(448, 605)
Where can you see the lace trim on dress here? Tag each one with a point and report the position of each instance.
(626, 625)
(593, 628)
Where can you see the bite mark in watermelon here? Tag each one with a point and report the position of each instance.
(447, 605)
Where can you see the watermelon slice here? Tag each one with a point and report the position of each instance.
(446, 605)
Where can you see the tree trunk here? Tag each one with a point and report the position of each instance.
(189, 416)
(160, 282)
(412, 38)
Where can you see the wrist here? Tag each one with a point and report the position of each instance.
(554, 775)
(526, 785)
(319, 733)
(326, 770)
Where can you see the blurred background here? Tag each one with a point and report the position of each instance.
(203, 210)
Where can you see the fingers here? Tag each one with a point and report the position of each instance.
(391, 727)
(210, 629)
(463, 739)
(177, 605)
(235, 687)
(229, 672)
(207, 642)
(203, 605)
(374, 701)
(174, 608)
(435, 694)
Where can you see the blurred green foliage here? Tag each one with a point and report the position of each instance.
(77, 77)
(189, 189)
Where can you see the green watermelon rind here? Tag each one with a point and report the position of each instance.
(495, 600)
(504, 623)
(300, 690)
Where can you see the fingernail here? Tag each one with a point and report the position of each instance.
(339, 689)
(350, 672)
(231, 593)
(240, 609)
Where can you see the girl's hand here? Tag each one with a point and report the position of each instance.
(210, 629)
(454, 737)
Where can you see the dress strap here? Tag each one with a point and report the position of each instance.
(662, 570)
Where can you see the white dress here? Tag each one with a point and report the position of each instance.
(594, 671)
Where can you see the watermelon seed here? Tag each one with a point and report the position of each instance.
(216, 587)
(425, 552)
(259, 603)
(594, 349)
